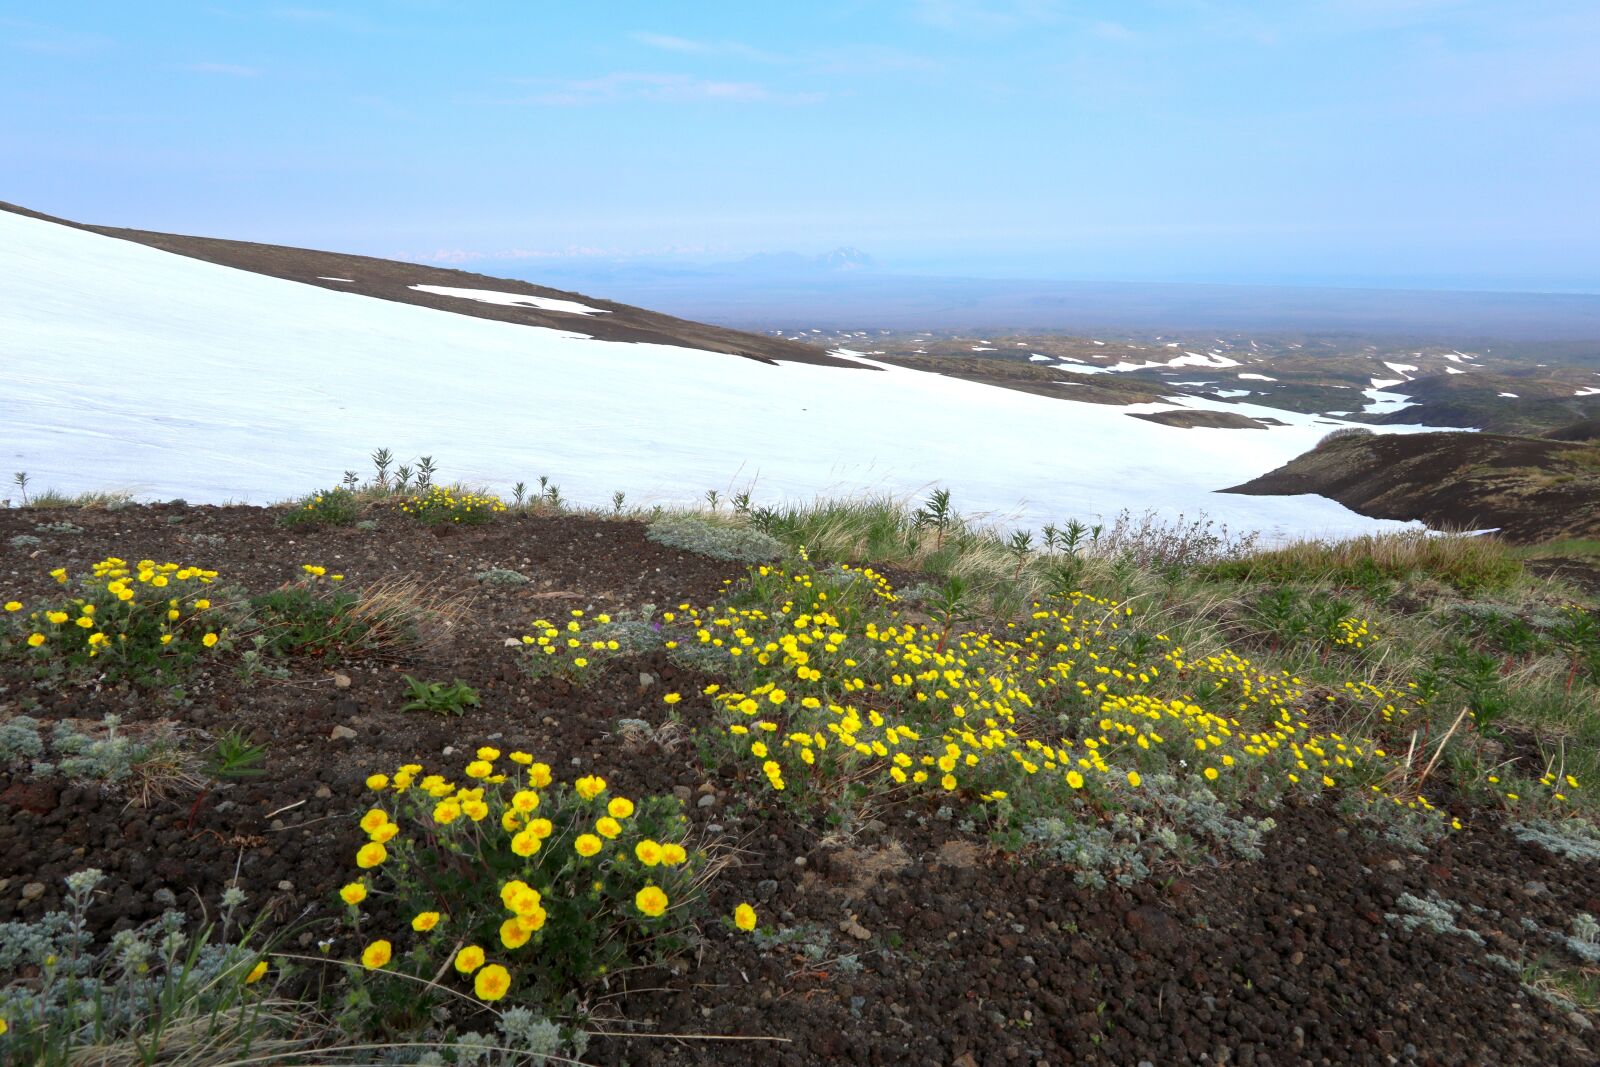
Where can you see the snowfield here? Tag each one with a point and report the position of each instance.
(131, 368)
(490, 296)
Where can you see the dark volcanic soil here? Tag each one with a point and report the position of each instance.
(935, 949)
(1531, 490)
(389, 279)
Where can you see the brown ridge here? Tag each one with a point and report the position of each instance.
(388, 279)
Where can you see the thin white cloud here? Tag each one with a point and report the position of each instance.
(232, 70)
(669, 43)
(966, 15)
(673, 88)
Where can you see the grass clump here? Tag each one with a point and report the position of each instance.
(1466, 563)
(152, 994)
(730, 541)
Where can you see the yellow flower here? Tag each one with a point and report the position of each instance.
(377, 781)
(425, 921)
(540, 828)
(488, 753)
(35, 640)
(13, 605)
(512, 935)
(673, 854)
(1210, 773)
(377, 955)
(354, 893)
(1134, 779)
(533, 919)
(57, 617)
(3, 1027)
(539, 775)
(469, 959)
(85, 621)
(256, 974)
(670, 698)
(491, 983)
(526, 843)
(607, 827)
(371, 854)
(479, 769)
(385, 833)
(948, 781)
(1074, 779)
(201, 605)
(525, 801)
(590, 786)
(446, 812)
(209, 640)
(648, 851)
(587, 844)
(651, 901)
(373, 819)
(744, 917)
(620, 807)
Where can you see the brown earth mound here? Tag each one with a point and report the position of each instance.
(1586, 430)
(1531, 490)
(389, 279)
(1189, 418)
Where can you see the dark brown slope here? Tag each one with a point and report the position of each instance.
(389, 279)
(1532, 490)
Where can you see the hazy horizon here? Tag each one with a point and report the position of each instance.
(1438, 144)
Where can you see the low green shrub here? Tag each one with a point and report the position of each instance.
(733, 543)
(452, 699)
(328, 507)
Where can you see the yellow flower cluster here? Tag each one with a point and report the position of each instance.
(1354, 633)
(832, 693)
(144, 605)
(569, 646)
(441, 504)
(516, 793)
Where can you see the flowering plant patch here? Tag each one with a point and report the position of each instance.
(440, 504)
(145, 621)
(515, 886)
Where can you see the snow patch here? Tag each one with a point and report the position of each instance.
(490, 296)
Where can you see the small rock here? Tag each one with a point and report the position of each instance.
(1580, 1020)
(766, 888)
(165, 898)
(277, 824)
(341, 680)
(683, 793)
(342, 733)
(855, 930)
(706, 800)
(449, 750)
(512, 642)
(286, 886)
(646, 680)
(714, 828)
(33, 891)
(323, 792)
(1393, 865)
(548, 720)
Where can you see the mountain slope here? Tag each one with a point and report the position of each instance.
(1529, 489)
(389, 279)
(130, 367)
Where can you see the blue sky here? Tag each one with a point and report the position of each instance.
(1450, 143)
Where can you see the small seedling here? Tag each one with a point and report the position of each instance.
(452, 699)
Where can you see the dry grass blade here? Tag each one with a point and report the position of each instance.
(403, 613)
